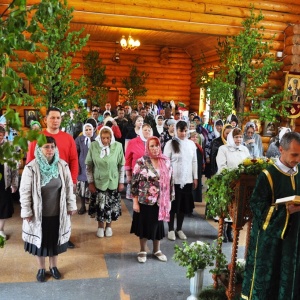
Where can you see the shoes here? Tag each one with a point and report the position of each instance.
(171, 235)
(181, 235)
(100, 232)
(71, 245)
(3, 234)
(142, 257)
(160, 255)
(82, 210)
(55, 273)
(108, 232)
(40, 276)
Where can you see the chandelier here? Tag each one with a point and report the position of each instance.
(129, 44)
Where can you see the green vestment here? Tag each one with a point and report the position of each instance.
(273, 260)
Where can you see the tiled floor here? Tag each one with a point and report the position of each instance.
(102, 268)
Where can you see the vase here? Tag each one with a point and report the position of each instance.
(196, 284)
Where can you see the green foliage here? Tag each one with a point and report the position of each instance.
(197, 255)
(211, 293)
(134, 85)
(220, 192)
(12, 29)
(2, 241)
(95, 78)
(245, 65)
(50, 74)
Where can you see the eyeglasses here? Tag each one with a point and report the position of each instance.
(49, 147)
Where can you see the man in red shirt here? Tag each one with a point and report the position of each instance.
(65, 144)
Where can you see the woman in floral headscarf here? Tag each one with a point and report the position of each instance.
(152, 192)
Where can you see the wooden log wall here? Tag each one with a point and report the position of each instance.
(169, 75)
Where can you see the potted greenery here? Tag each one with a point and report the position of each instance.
(2, 241)
(196, 257)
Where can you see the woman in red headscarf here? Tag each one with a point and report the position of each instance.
(152, 191)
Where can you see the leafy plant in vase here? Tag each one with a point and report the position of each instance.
(196, 257)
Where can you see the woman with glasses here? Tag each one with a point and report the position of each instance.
(47, 202)
(252, 140)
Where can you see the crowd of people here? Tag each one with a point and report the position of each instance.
(159, 157)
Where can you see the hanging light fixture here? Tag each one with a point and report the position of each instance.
(130, 43)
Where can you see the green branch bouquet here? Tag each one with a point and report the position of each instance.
(220, 191)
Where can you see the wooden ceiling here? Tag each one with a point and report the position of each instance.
(193, 25)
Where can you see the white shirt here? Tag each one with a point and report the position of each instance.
(230, 157)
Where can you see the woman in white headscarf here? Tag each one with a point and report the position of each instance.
(83, 143)
(105, 174)
(233, 153)
(252, 140)
(159, 128)
(273, 150)
(183, 156)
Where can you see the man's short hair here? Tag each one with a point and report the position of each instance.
(287, 138)
(52, 109)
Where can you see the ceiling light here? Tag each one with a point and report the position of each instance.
(130, 43)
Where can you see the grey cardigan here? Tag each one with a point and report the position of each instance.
(31, 203)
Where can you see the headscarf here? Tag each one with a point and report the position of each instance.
(87, 140)
(48, 171)
(105, 150)
(216, 132)
(283, 131)
(93, 122)
(222, 133)
(230, 140)
(164, 182)
(141, 135)
(232, 118)
(107, 111)
(108, 119)
(247, 126)
(160, 128)
(35, 123)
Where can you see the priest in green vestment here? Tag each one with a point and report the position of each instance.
(273, 261)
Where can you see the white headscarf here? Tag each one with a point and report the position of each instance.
(87, 140)
(283, 131)
(230, 141)
(216, 132)
(160, 128)
(105, 150)
(141, 135)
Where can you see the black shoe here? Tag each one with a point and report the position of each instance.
(71, 245)
(40, 276)
(55, 273)
(82, 210)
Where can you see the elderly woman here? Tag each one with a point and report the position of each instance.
(47, 201)
(252, 140)
(152, 191)
(105, 174)
(8, 184)
(182, 153)
(83, 143)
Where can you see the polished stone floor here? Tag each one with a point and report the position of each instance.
(104, 268)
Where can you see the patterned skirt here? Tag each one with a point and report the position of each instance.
(105, 206)
(82, 189)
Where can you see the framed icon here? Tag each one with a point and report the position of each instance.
(30, 115)
(270, 129)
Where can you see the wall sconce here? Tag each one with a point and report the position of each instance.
(116, 57)
(130, 43)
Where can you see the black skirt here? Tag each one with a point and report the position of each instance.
(6, 203)
(49, 246)
(145, 224)
(183, 202)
